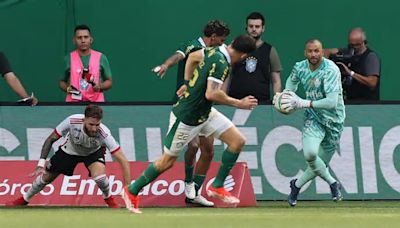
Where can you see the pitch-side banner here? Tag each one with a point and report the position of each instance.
(80, 190)
(367, 162)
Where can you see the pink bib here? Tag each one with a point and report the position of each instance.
(76, 70)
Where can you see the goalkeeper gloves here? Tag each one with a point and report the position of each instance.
(291, 101)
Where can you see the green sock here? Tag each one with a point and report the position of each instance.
(228, 161)
(198, 182)
(188, 173)
(150, 174)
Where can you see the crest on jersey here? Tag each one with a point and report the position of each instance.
(315, 82)
(251, 64)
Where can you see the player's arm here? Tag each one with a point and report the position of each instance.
(124, 163)
(215, 93)
(54, 136)
(61, 129)
(117, 153)
(47, 145)
(225, 85)
(293, 80)
(192, 62)
(329, 102)
(171, 61)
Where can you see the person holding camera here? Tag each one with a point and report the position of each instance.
(87, 73)
(360, 67)
(14, 83)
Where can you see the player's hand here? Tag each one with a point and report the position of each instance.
(346, 69)
(38, 170)
(181, 91)
(160, 70)
(291, 101)
(249, 102)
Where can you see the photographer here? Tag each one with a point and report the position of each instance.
(87, 73)
(360, 67)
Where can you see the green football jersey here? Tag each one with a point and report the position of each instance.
(326, 79)
(193, 108)
(185, 49)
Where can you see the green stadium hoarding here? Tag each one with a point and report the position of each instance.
(367, 163)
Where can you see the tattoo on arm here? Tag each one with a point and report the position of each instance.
(47, 145)
(215, 86)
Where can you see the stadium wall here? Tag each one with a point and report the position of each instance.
(366, 163)
(137, 35)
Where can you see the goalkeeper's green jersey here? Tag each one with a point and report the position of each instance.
(324, 80)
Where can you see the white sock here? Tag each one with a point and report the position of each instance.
(37, 186)
(103, 184)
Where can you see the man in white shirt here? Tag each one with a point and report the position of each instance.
(86, 140)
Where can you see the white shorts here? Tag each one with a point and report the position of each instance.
(180, 134)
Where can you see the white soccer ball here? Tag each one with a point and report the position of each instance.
(278, 104)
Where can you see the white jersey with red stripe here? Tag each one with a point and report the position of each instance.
(77, 142)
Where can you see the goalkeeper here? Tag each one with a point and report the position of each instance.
(324, 115)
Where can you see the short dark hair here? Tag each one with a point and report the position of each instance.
(255, 16)
(216, 26)
(313, 40)
(94, 111)
(82, 27)
(244, 43)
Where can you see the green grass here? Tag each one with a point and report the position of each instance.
(319, 214)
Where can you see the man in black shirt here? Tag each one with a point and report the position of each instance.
(361, 68)
(253, 76)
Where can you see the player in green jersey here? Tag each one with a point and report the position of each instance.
(214, 34)
(207, 69)
(324, 115)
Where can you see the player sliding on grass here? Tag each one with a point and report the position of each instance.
(85, 141)
(206, 69)
(324, 115)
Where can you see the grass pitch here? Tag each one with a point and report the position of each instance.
(318, 214)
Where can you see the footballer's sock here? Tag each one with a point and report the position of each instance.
(228, 161)
(188, 173)
(150, 174)
(103, 184)
(307, 176)
(198, 182)
(37, 186)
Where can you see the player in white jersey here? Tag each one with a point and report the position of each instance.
(86, 140)
(324, 115)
